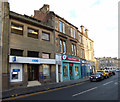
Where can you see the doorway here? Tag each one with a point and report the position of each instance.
(33, 72)
(71, 72)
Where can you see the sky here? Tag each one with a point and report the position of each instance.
(100, 17)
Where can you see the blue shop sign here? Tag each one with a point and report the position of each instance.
(14, 59)
(34, 60)
(16, 70)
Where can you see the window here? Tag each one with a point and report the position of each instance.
(16, 52)
(63, 26)
(32, 33)
(46, 71)
(65, 71)
(46, 55)
(62, 46)
(45, 36)
(16, 28)
(81, 39)
(72, 32)
(73, 49)
(60, 26)
(76, 71)
(82, 52)
(33, 54)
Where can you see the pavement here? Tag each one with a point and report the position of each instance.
(102, 91)
(33, 89)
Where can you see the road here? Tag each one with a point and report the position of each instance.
(104, 90)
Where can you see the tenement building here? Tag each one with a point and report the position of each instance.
(43, 48)
(75, 47)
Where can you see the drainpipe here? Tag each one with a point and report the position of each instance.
(0, 50)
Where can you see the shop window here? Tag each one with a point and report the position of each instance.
(16, 52)
(46, 71)
(33, 54)
(32, 33)
(16, 28)
(65, 71)
(45, 36)
(76, 71)
(46, 55)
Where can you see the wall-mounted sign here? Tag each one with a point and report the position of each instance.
(14, 59)
(69, 58)
(64, 57)
(34, 60)
(16, 70)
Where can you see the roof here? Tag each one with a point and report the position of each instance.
(30, 20)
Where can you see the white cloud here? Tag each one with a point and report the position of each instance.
(99, 16)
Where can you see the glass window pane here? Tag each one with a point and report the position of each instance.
(60, 46)
(65, 71)
(63, 28)
(64, 49)
(60, 26)
(45, 36)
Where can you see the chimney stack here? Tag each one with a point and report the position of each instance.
(82, 28)
(45, 8)
(86, 32)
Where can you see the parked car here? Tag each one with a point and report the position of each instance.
(96, 76)
(113, 72)
(117, 70)
(105, 74)
(110, 72)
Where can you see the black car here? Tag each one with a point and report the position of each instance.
(96, 76)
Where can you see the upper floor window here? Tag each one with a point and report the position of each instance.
(72, 32)
(45, 55)
(32, 33)
(16, 52)
(45, 36)
(81, 39)
(33, 54)
(62, 46)
(73, 46)
(16, 28)
(61, 27)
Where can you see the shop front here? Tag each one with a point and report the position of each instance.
(85, 68)
(31, 70)
(70, 67)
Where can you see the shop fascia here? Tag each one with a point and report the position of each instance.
(65, 57)
(31, 60)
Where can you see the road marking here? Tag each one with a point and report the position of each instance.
(84, 91)
(27, 95)
(108, 83)
(116, 83)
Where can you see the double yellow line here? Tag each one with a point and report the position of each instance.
(47, 90)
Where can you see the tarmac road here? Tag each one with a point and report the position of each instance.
(103, 90)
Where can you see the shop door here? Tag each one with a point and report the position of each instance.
(33, 72)
(71, 72)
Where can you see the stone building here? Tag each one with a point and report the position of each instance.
(28, 51)
(43, 48)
